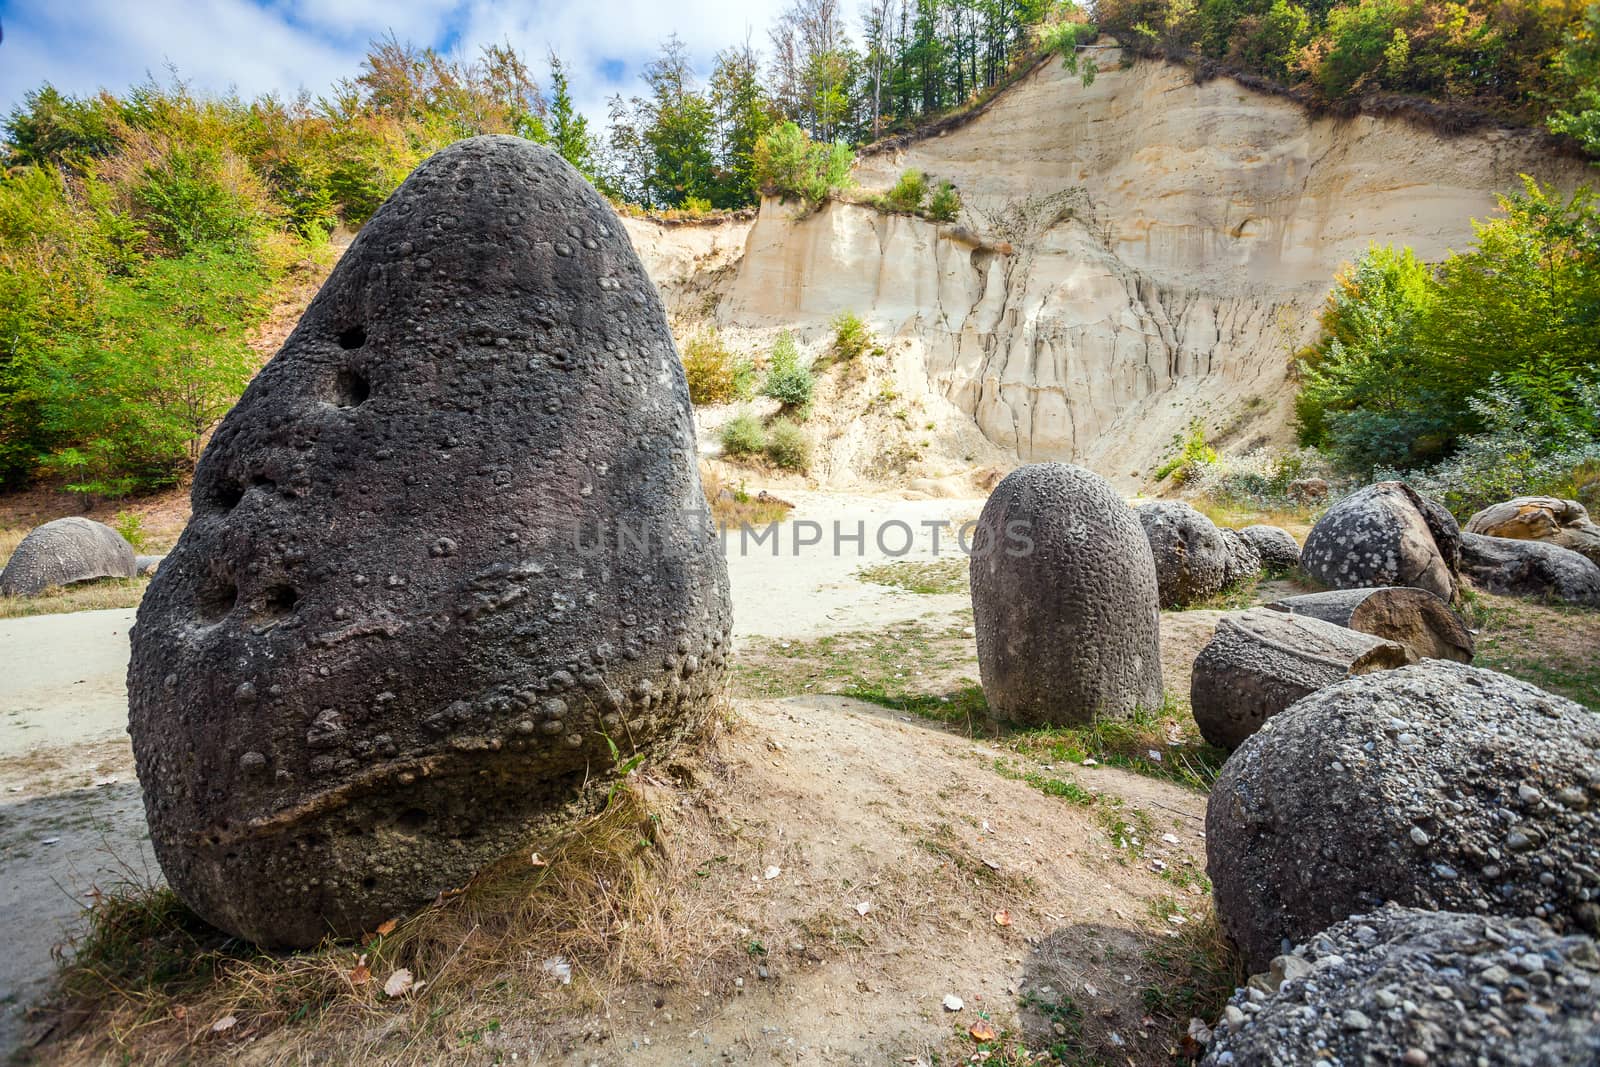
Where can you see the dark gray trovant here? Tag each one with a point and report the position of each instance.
(1063, 600)
(64, 551)
(378, 658)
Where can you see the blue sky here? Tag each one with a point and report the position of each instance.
(259, 45)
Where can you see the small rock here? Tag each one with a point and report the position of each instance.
(953, 1002)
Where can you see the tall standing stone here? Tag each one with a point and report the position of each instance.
(448, 556)
(1063, 600)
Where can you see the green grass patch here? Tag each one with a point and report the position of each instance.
(928, 577)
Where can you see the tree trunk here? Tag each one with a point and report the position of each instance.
(1415, 618)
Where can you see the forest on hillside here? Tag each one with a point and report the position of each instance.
(143, 235)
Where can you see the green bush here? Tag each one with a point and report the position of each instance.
(1407, 351)
(131, 527)
(1190, 453)
(945, 204)
(1064, 36)
(788, 446)
(788, 162)
(908, 193)
(714, 373)
(851, 337)
(788, 381)
(743, 435)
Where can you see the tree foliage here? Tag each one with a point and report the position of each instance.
(1408, 352)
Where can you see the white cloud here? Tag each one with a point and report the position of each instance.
(84, 45)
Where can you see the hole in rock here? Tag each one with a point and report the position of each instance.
(413, 819)
(278, 601)
(217, 597)
(350, 388)
(352, 337)
(227, 494)
(368, 882)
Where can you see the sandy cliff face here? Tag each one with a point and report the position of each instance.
(1130, 255)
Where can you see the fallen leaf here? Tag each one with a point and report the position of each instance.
(179, 1012)
(399, 984)
(539, 861)
(360, 974)
(772, 872)
(863, 907)
(1002, 917)
(982, 1031)
(227, 1022)
(386, 927)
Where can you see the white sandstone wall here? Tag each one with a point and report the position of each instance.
(1130, 254)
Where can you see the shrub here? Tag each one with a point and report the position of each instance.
(743, 435)
(788, 446)
(851, 337)
(945, 204)
(908, 193)
(715, 374)
(1064, 36)
(1190, 454)
(131, 527)
(789, 163)
(788, 381)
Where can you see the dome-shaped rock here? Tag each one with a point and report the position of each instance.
(65, 551)
(1276, 546)
(1190, 553)
(1436, 785)
(1405, 986)
(1385, 534)
(448, 550)
(1063, 600)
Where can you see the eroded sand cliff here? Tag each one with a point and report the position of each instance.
(1130, 255)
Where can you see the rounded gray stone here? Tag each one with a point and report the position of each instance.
(1275, 545)
(1063, 600)
(448, 557)
(1536, 569)
(1244, 562)
(1385, 534)
(1191, 555)
(1312, 818)
(1403, 985)
(65, 551)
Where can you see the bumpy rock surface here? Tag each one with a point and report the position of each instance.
(1243, 559)
(1259, 662)
(1416, 618)
(1067, 629)
(66, 551)
(1541, 518)
(1190, 553)
(1405, 986)
(1385, 534)
(1531, 569)
(1436, 786)
(1276, 546)
(412, 613)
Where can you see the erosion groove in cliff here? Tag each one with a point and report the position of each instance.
(1130, 255)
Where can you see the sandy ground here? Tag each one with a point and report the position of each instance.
(70, 813)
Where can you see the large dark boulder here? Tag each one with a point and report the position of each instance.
(1063, 600)
(1435, 786)
(1415, 618)
(1259, 662)
(1244, 562)
(1535, 569)
(448, 555)
(1405, 986)
(1385, 534)
(1275, 545)
(1190, 553)
(65, 551)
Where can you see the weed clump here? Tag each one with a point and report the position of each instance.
(788, 446)
(743, 435)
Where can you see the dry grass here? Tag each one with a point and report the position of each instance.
(80, 596)
(1298, 521)
(148, 980)
(735, 508)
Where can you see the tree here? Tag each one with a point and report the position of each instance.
(569, 130)
(678, 130)
(743, 113)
